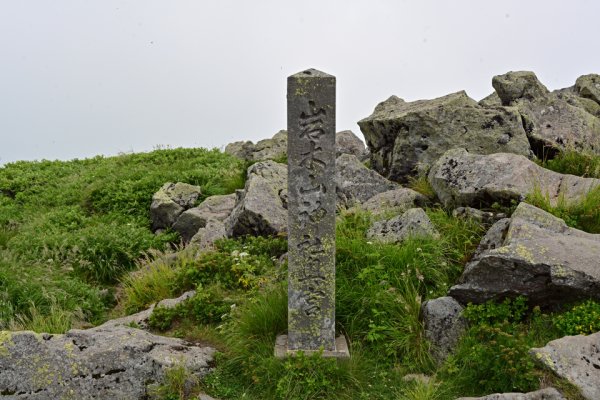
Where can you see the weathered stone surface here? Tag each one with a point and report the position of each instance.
(588, 86)
(540, 257)
(311, 211)
(206, 237)
(494, 237)
(346, 142)
(271, 149)
(571, 96)
(542, 394)
(414, 222)
(355, 183)
(242, 149)
(259, 208)
(551, 122)
(214, 207)
(406, 138)
(518, 85)
(460, 178)
(575, 358)
(485, 217)
(266, 149)
(444, 325)
(396, 200)
(493, 100)
(140, 319)
(114, 362)
(170, 201)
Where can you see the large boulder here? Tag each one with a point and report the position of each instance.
(414, 222)
(575, 358)
(170, 201)
(396, 200)
(518, 85)
(107, 362)
(588, 86)
(405, 138)
(213, 208)
(355, 183)
(542, 394)
(443, 325)
(551, 122)
(346, 142)
(261, 207)
(537, 256)
(460, 178)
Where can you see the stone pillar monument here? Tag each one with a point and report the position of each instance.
(311, 217)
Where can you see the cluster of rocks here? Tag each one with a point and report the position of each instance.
(522, 117)
(473, 154)
(261, 207)
(346, 142)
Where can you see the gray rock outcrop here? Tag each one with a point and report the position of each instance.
(346, 142)
(355, 183)
(396, 200)
(261, 207)
(444, 325)
(575, 358)
(542, 394)
(170, 201)
(113, 362)
(537, 256)
(514, 86)
(266, 149)
(414, 222)
(460, 178)
(405, 138)
(588, 86)
(550, 121)
(216, 208)
(206, 236)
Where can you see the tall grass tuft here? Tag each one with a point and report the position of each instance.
(57, 320)
(582, 214)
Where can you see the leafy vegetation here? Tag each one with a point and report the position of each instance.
(74, 233)
(68, 229)
(583, 319)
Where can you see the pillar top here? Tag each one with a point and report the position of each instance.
(311, 73)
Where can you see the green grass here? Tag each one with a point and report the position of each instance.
(581, 213)
(71, 230)
(574, 163)
(68, 229)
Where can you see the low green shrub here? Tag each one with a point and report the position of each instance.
(583, 319)
(205, 307)
(493, 355)
(236, 264)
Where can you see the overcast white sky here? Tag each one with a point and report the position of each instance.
(80, 78)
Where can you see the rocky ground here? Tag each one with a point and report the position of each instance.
(473, 154)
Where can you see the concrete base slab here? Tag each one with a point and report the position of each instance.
(341, 349)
